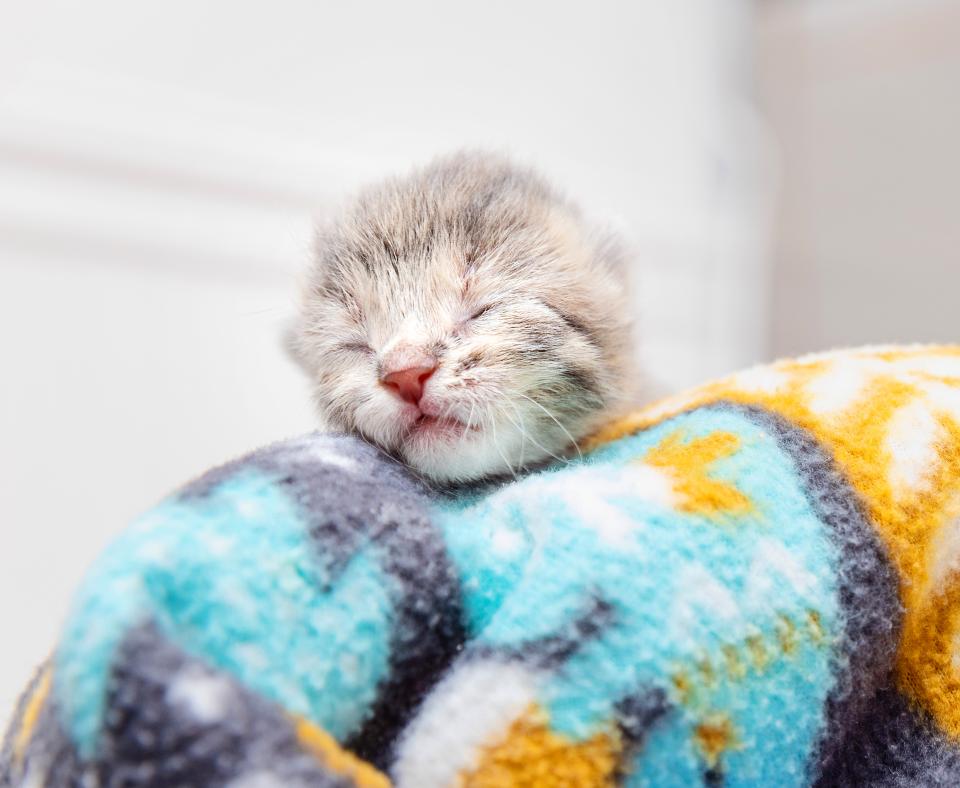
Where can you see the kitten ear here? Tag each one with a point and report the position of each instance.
(290, 342)
(323, 241)
(614, 253)
(291, 333)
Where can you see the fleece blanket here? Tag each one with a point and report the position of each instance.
(754, 583)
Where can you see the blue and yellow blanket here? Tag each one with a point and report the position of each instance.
(756, 583)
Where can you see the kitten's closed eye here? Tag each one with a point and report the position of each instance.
(354, 347)
(480, 312)
(573, 322)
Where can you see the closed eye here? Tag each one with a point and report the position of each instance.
(354, 347)
(482, 311)
(572, 322)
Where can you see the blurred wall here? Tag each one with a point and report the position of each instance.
(160, 165)
(864, 100)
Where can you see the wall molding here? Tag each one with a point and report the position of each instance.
(113, 170)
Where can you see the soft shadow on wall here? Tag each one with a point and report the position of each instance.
(863, 98)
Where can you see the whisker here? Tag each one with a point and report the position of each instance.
(525, 435)
(469, 421)
(565, 430)
(533, 440)
(521, 427)
(496, 443)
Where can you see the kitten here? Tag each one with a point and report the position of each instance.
(466, 320)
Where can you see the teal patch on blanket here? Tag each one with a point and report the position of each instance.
(688, 597)
(232, 578)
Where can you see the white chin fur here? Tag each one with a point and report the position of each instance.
(472, 456)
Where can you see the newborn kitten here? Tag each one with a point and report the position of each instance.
(466, 320)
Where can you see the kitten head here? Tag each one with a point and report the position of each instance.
(464, 319)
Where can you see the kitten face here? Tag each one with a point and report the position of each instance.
(464, 320)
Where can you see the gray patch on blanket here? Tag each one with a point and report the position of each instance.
(636, 715)
(868, 586)
(895, 746)
(172, 721)
(550, 652)
(49, 758)
(14, 725)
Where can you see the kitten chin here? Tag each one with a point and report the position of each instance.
(466, 319)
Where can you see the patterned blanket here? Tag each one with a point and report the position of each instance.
(754, 583)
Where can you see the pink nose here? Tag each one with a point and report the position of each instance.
(408, 383)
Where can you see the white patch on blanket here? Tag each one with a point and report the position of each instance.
(611, 524)
(590, 500)
(466, 712)
(311, 448)
(217, 545)
(329, 457)
(771, 559)
(945, 366)
(840, 385)
(506, 542)
(911, 443)
(35, 776)
(258, 780)
(944, 398)
(762, 380)
(863, 351)
(203, 696)
(249, 509)
(697, 592)
(155, 552)
(651, 484)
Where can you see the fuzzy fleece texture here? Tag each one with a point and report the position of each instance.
(755, 583)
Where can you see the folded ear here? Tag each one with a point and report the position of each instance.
(291, 343)
(613, 252)
(291, 336)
